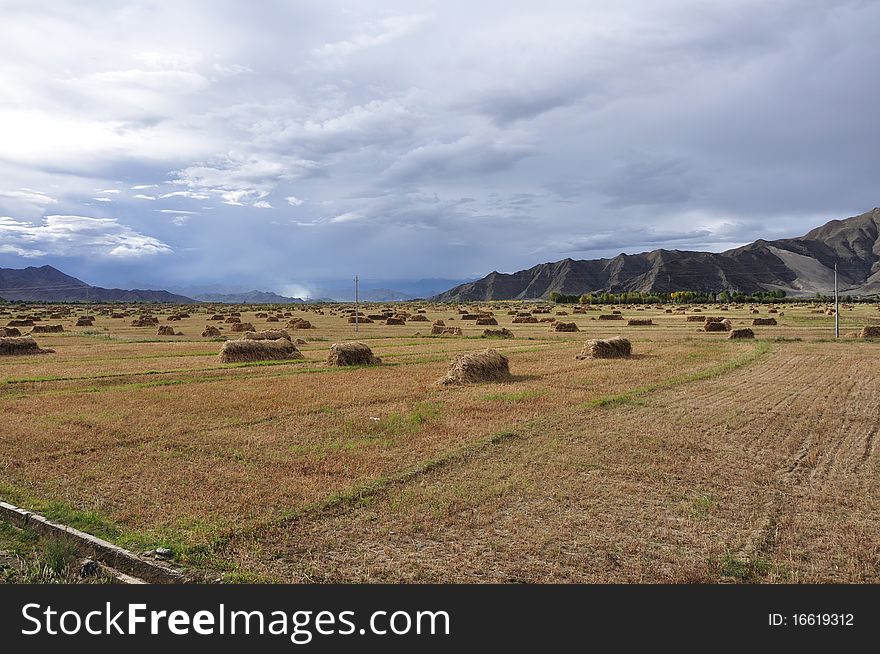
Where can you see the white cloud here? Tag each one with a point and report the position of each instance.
(141, 196)
(347, 217)
(262, 204)
(29, 196)
(103, 199)
(372, 34)
(109, 191)
(180, 221)
(144, 187)
(293, 201)
(69, 235)
(178, 211)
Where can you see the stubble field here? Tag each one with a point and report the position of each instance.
(698, 459)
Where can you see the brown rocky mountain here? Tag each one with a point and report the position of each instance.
(799, 266)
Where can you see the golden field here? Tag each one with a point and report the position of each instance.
(698, 459)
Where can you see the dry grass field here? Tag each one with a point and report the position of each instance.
(698, 459)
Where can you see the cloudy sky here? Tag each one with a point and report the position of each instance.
(281, 144)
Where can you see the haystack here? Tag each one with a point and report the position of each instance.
(639, 322)
(419, 318)
(525, 319)
(246, 350)
(267, 335)
(145, 321)
(610, 316)
(611, 348)
(211, 332)
(504, 332)
(20, 322)
(242, 327)
(351, 354)
(300, 323)
(395, 321)
(763, 321)
(717, 326)
(359, 320)
(273, 319)
(446, 331)
(15, 346)
(217, 316)
(10, 331)
(745, 332)
(232, 320)
(870, 331)
(694, 319)
(564, 327)
(439, 323)
(47, 329)
(487, 321)
(165, 330)
(475, 367)
(85, 322)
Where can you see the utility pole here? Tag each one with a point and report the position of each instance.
(357, 317)
(836, 306)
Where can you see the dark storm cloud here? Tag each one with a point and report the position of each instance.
(185, 142)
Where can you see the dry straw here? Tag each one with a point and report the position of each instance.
(351, 354)
(474, 367)
(246, 350)
(610, 348)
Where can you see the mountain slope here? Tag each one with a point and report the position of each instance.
(48, 284)
(799, 266)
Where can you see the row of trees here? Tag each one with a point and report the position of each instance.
(675, 297)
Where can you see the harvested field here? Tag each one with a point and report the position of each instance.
(637, 469)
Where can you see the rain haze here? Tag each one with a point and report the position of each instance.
(289, 146)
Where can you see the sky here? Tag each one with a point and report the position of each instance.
(280, 145)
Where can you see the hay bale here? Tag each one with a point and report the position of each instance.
(639, 322)
(145, 321)
(395, 321)
(211, 332)
(763, 321)
(452, 331)
(564, 327)
(351, 354)
(525, 319)
(486, 321)
(242, 327)
(439, 323)
(475, 367)
(165, 330)
(610, 316)
(714, 318)
(118, 315)
(246, 350)
(361, 320)
(745, 332)
(217, 316)
(773, 311)
(20, 322)
(870, 331)
(9, 331)
(19, 346)
(717, 326)
(694, 319)
(231, 320)
(419, 318)
(47, 329)
(85, 322)
(504, 332)
(267, 335)
(610, 348)
(273, 319)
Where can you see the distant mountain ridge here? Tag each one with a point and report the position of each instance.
(248, 297)
(800, 266)
(48, 284)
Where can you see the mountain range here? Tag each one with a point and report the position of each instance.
(799, 266)
(48, 284)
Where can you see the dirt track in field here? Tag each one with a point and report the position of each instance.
(768, 473)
